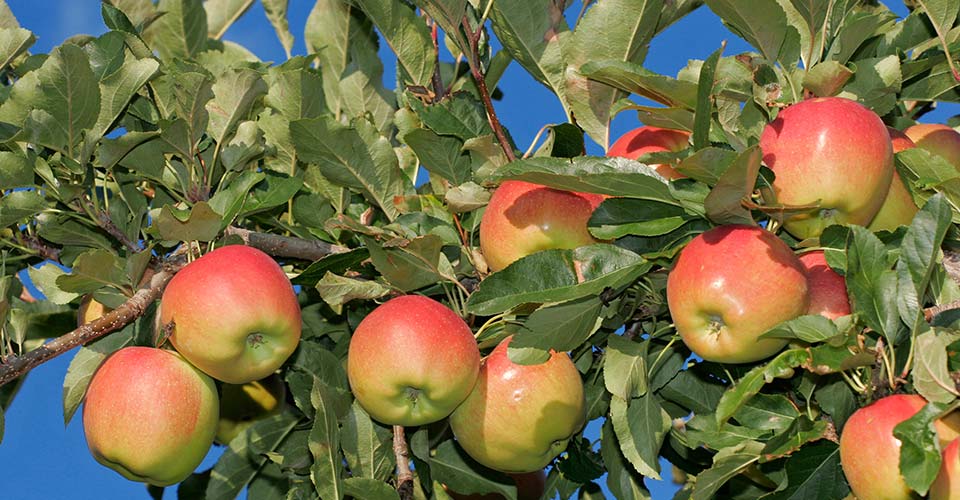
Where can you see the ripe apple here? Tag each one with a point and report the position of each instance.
(938, 139)
(150, 415)
(870, 454)
(242, 405)
(647, 139)
(729, 286)
(523, 218)
(519, 417)
(898, 207)
(530, 486)
(234, 314)
(412, 361)
(828, 290)
(947, 484)
(831, 151)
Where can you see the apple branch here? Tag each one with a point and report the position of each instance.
(473, 60)
(285, 246)
(402, 454)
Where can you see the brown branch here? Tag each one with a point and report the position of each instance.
(43, 250)
(439, 90)
(404, 476)
(106, 223)
(473, 60)
(285, 246)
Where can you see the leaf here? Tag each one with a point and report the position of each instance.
(555, 276)
(871, 284)
(17, 172)
(564, 140)
(452, 466)
(808, 328)
(20, 205)
(13, 43)
(813, 472)
(920, 249)
(325, 444)
(704, 110)
(406, 34)
(763, 25)
(641, 425)
(276, 11)
(367, 446)
(919, 449)
(625, 367)
(221, 14)
(440, 155)
(92, 270)
(750, 383)
(71, 232)
(294, 90)
(69, 101)
(461, 115)
(622, 479)
(84, 365)
(618, 217)
(611, 176)
(827, 78)
(338, 290)
(361, 487)
(238, 466)
(119, 87)
(234, 94)
(931, 375)
(561, 327)
(634, 78)
(335, 263)
(200, 223)
(228, 201)
(364, 97)
(181, 32)
(723, 204)
(724, 468)
(875, 84)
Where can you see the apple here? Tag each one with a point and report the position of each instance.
(242, 405)
(829, 151)
(647, 139)
(828, 290)
(150, 415)
(938, 139)
(530, 486)
(947, 484)
(523, 218)
(898, 207)
(870, 454)
(233, 313)
(412, 361)
(729, 286)
(519, 417)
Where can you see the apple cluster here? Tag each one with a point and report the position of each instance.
(150, 413)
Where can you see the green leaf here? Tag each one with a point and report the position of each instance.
(71, 232)
(13, 43)
(856, 29)
(942, 13)
(768, 412)
(808, 328)
(875, 83)
(452, 466)
(801, 431)
(561, 327)
(221, 14)
(634, 78)
(229, 200)
(367, 446)
(295, 90)
(119, 87)
(325, 444)
(872, 285)
(919, 449)
(181, 32)
(625, 367)
(337, 263)
(364, 97)
(763, 25)
(337, 290)
(83, 366)
(618, 217)
(361, 487)
(406, 34)
(622, 479)
(440, 155)
(238, 466)
(724, 203)
(704, 110)
(564, 140)
(93, 270)
(930, 374)
(69, 100)
(827, 78)
(276, 11)
(234, 94)
(411, 264)
(191, 91)
(19, 205)
(17, 172)
(555, 276)
(201, 223)
(750, 384)
(612, 176)
(641, 425)
(814, 472)
(724, 468)
(919, 251)
(461, 115)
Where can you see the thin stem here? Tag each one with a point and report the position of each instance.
(402, 454)
(479, 78)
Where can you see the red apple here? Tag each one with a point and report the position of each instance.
(530, 486)
(833, 152)
(729, 286)
(234, 314)
(523, 218)
(519, 417)
(828, 290)
(647, 139)
(938, 139)
(150, 415)
(242, 405)
(898, 207)
(947, 484)
(412, 361)
(870, 454)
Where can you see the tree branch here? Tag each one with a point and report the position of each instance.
(473, 60)
(404, 476)
(43, 250)
(285, 246)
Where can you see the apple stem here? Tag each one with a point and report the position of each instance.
(402, 454)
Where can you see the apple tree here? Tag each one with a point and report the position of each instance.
(126, 156)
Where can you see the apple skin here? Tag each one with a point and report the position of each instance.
(519, 417)
(530, 486)
(647, 139)
(720, 307)
(828, 290)
(938, 139)
(150, 415)
(898, 207)
(412, 361)
(242, 405)
(234, 312)
(833, 151)
(870, 454)
(523, 218)
(947, 484)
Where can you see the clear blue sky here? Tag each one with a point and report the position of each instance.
(43, 460)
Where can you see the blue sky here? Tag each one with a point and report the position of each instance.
(43, 460)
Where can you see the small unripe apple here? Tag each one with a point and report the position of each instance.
(947, 484)
(519, 417)
(898, 207)
(523, 218)
(869, 452)
(150, 415)
(412, 361)
(530, 486)
(828, 290)
(233, 313)
(938, 139)
(833, 152)
(647, 139)
(729, 286)
(242, 405)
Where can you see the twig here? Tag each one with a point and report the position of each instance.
(404, 476)
(43, 250)
(285, 246)
(439, 90)
(473, 60)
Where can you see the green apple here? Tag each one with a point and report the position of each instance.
(150, 415)
(233, 314)
(519, 417)
(729, 286)
(828, 290)
(412, 361)
(831, 152)
(898, 207)
(648, 139)
(242, 405)
(869, 452)
(938, 139)
(523, 218)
